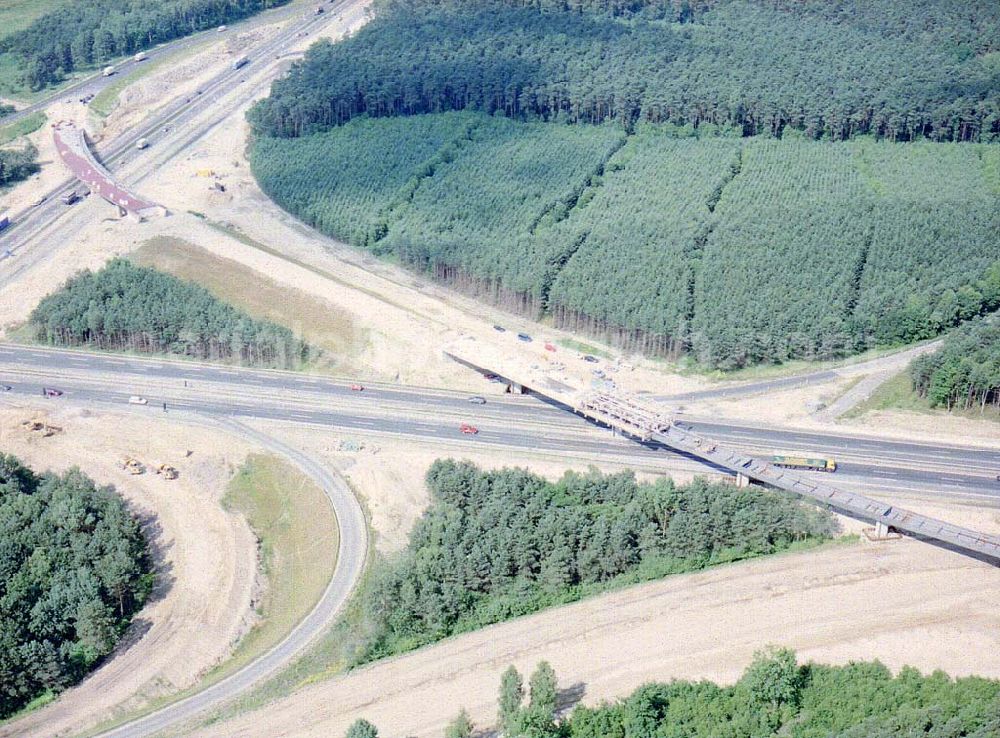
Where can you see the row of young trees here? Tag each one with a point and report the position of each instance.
(965, 372)
(760, 68)
(495, 545)
(124, 307)
(73, 570)
(85, 33)
(775, 696)
(18, 163)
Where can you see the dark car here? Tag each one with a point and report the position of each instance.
(591, 359)
(5, 388)
(499, 328)
(524, 337)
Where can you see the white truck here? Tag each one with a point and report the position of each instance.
(141, 56)
(108, 71)
(142, 143)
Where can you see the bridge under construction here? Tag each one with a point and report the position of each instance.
(649, 423)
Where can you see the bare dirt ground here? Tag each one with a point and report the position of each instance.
(903, 602)
(205, 557)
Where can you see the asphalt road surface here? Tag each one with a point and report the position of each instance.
(872, 465)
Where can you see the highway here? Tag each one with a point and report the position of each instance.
(517, 423)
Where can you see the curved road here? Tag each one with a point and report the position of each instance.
(350, 564)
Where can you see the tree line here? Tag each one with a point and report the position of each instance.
(17, 164)
(74, 569)
(89, 33)
(498, 544)
(755, 67)
(774, 696)
(124, 307)
(965, 372)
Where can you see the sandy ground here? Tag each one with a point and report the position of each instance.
(901, 602)
(206, 557)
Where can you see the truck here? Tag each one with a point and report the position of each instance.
(4, 221)
(70, 197)
(142, 143)
(108, 71)
(141, 56)
(805, 463)
(241, 62)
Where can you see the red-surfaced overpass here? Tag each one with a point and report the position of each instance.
(77, 156)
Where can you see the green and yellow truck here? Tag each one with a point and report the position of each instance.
(806, 463)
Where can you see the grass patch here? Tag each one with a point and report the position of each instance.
(893, 394)
(298, 536)
(313, 319)
(107, 99)
(16, 15)
(23, 127)
(583, 348)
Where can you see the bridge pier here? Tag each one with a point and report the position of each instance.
(742, 480)
(882, 532)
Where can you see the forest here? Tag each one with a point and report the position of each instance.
(74, 569)
(89, 33)
(667, 241)
(499, 544)
(964, 373)
(827, 70)
(124, 307)
(18, 163)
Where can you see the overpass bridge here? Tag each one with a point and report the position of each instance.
(77, 156)
(648, 423)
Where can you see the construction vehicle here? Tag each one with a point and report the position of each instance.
(133, 465)
(468, 429)
(806, 463)
(141, 56)
(142, 143)
(167, 471)
(241, 62)
(108, 71)
(70, 197)
(37, 426)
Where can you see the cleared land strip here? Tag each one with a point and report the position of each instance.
(351, 556)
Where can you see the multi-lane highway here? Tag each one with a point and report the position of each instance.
(513, 422)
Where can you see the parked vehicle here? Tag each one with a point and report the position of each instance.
(468, 429)
(357, 388)
(808, 463)
(591, 359)
(51, 392)
(477, 400)
(524, 337)
(549, 347)
(137, 400)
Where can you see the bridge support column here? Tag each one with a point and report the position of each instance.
(881, 532)
(515, 389)
(742, 480)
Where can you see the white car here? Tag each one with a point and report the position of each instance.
(137, 400)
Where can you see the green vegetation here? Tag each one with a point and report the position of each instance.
(16, 15)
(73, 570)
(496, 545)
(754, 67)
(28, 124)
(964, 373)
(124, 307)
(71, 36)
(298, 538)
(774, 697)
(895, 393)
(740, 251)
(18, 164)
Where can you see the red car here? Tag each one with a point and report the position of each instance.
(49, 392)
(470, 429)
(549, 347)
(358, 387)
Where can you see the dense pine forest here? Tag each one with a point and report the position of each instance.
(775, 696)
(88, 33)
(124, 307)
(73, 570)
(964, 373)
(896, 69)
(495, 545)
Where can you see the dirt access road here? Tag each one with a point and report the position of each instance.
(902, 602)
